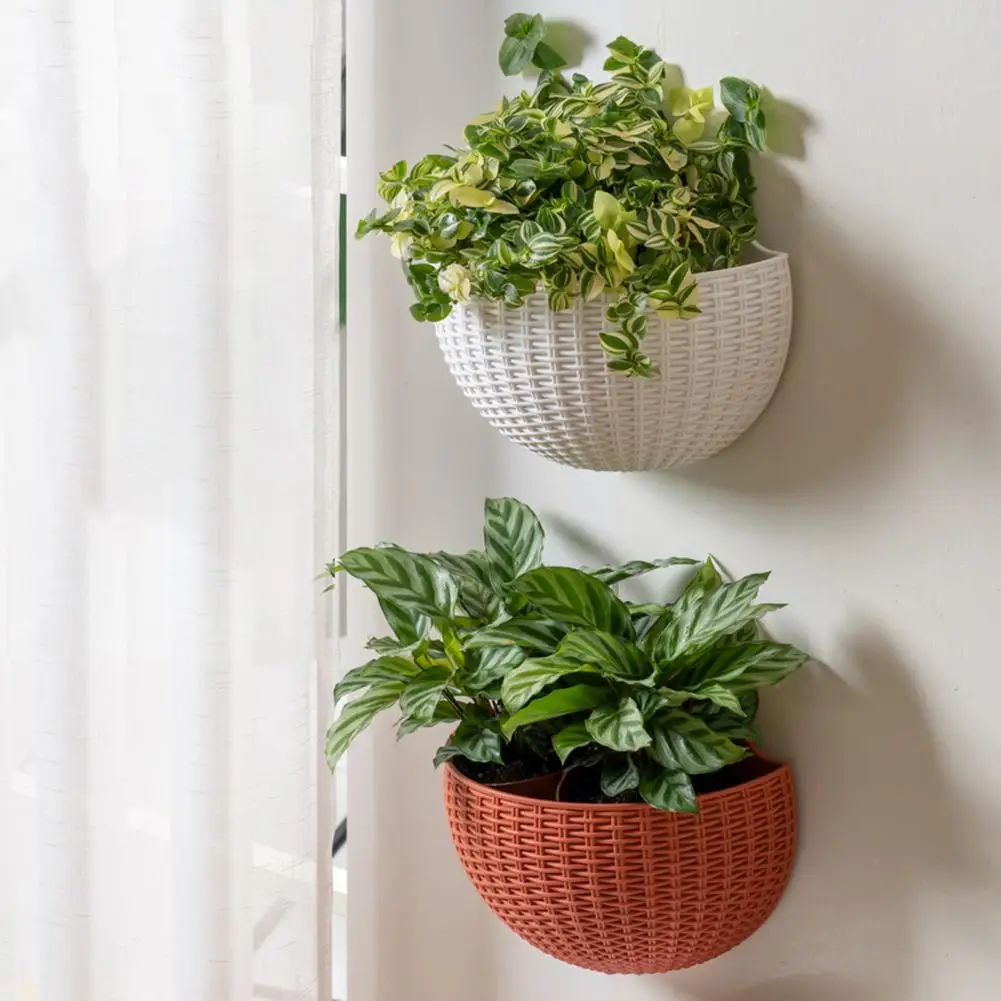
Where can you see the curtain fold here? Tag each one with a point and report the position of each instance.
(168, 474)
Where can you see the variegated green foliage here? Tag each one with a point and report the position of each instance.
(581, 189)
(673, 693)
(526, 661)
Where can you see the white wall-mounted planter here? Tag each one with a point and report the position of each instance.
(540, 377)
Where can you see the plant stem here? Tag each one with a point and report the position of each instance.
(455, 704)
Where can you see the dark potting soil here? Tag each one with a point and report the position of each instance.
(490, 774)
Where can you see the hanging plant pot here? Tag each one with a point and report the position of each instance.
(541, 377)
(624, 888)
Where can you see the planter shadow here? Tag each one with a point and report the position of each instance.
(889, 849)
(871, 369)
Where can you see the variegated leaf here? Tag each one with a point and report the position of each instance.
(701, 618)
(409, 625)
(619, 774)
(444, 713)
(611, 655)
(513, 538)
(745, 667)
(619, 727)
(487, 667)
(423, 693)
(540, 635)
(474, 742)
(357, 715)
(406, 580)
(383, 669)
(635, 568)
(575, 597)
(523, 683)
(668, 789)
(472, 577)
(685, 742)
(717, 694)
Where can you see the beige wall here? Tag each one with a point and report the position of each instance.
(870, 488)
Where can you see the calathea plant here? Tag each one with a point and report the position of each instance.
(541, 666)
(619, 188)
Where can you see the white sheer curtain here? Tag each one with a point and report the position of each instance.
(168, 193)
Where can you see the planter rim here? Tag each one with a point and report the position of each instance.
(772, 258)
(706, 797)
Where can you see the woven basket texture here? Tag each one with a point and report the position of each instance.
(625, 888)
(541, 377)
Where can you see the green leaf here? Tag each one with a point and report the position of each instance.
(410, 626)
(515, 54)
(705, 580)
(716, 694)
(574, 597)
(547, 58)
(619, 727)
(387, 646)
(406, 580)
(471, 197)
(685, 742)
(513, 538)
(541, 635)
(744, 667)
(619, 775)
(754, 129)
(445, 753)
(607, 209)
(668, 789)
(622, 46)
(357, 715)
(472, 577)
(531, 26)
(444, 713)
(478, 742)
(374, 672)
(423, 693)
(635, 568)
(613, 656)
(562, 702)
(737, 96)
(701, 618)
(486, 667)
(615, 344)
(721, 696)
(687, 130)
(525, 682)
(570, 738)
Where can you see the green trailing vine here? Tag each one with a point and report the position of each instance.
(621, 188)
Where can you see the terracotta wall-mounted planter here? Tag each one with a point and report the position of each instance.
(624, 888)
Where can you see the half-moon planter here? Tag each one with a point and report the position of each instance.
(624, 888)
(541, 377)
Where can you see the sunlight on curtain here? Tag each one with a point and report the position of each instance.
(168, 287)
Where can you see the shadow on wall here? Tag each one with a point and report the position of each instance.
(869, 367)
(886, 843)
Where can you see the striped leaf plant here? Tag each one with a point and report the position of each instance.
(625, 188)
(539, 667)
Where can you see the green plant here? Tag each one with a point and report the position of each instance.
(530, 663)
(620, 188)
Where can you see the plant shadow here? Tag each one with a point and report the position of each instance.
(570, 40)
(870, 371)
(887, 842)
(789, 124)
